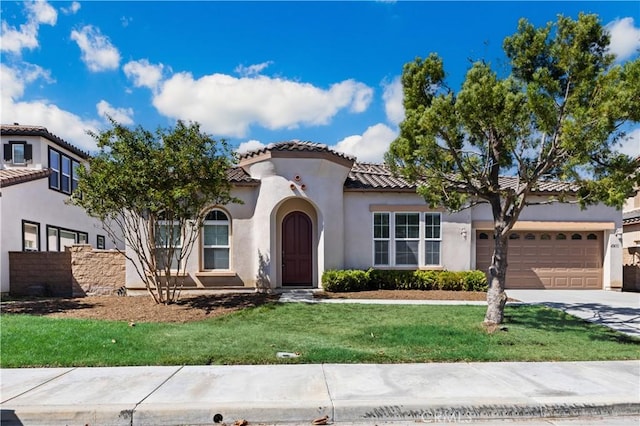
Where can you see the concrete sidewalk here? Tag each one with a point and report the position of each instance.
(276, 394)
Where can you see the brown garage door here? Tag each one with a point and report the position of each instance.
(557, 260)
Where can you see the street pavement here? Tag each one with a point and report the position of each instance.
(278, 394)
(491, 393)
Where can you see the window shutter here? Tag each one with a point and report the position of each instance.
(7, 152)
(28, 152)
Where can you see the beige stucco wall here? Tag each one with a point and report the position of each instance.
(358, 237)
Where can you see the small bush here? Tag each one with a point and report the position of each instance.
(389, 279)
(474, 281)
(345, 280)
(449, 280)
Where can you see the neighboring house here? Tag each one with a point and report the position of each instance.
(37, 177)
(631, 243)
(307, 209)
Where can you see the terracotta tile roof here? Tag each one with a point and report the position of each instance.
(369, 176)
(237, 175)
(294, 146)
(10, 177)
(631, 217)
(20, 130)
(373, 177)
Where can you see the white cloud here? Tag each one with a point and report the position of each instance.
(42, 12)
(251, 145)
(393, 101)
(228, 106)
(125, 21)
(26, 36)
(13, 79)
(370, 146)
(143, 73)
(97, 51)
(625, 38)
(631, 146)
(68, 126)
(252, 70)
(72, 9)
(120, 115)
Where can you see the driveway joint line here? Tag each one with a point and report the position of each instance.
(154, 390)
(326, 383)
(41, 384)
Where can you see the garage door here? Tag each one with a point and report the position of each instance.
(555, 260)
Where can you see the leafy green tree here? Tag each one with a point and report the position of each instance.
(152, 191)
(559, 115)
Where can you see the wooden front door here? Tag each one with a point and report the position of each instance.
(297, 250)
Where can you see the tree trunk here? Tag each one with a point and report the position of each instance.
(496, 297)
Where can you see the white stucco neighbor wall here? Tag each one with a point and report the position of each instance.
(35, 202)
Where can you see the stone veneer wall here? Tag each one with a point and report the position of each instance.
(78, 271)
(96, 272)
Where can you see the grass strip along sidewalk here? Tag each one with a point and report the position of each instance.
(319, 333)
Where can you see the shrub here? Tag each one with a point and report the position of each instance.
(345, 280)
(449, 280)
(474, 281)
(426, 280)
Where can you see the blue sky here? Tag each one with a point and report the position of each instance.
(256, 72)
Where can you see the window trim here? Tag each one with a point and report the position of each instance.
(58, 174)
(58, 230)
(9, 152)
(417, 239)
(229, 239)
(163, 223)
(37, 225)
(99, 245)
(422, 239)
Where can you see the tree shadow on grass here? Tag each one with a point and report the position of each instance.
(555, 319)
(210, 303)
(43, 306)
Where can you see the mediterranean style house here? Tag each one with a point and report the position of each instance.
(37, 177)
(307, 209)
(631, 242)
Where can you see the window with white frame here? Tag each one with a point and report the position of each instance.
(168, 238)
(407, 239)
(30, 236)
(215, 241)
(432, 238)
(64, 172)
(381, 248)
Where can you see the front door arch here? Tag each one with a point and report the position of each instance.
(297, 250)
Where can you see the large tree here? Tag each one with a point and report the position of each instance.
(558, 115)
(152, 191)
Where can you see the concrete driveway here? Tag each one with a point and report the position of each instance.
(617, 310)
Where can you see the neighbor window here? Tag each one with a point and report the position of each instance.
(60, 238)
(415, 241)
(168, 237)
(100, 242)
(215, 240)
(30, 236)
(18, 153)
(64, 172)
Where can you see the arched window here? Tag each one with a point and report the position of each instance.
(483, 236)
(592, 237)
(545, 237)
(561, 236)
(576, 237)
(215, 240)
(530, 236)
(514, 236)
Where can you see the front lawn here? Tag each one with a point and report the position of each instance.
(320, 333)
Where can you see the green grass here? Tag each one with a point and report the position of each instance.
(321, 333)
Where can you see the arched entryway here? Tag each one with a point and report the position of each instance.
(297, 249)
